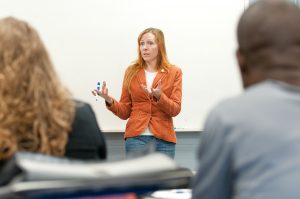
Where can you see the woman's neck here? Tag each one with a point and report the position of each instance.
(151, 66)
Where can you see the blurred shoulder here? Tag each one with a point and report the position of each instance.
(79, 103)
(82, 107)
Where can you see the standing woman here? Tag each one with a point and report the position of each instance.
(151, 96)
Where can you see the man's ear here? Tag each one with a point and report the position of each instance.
(241, 59)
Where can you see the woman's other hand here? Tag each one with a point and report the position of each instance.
(156, 92)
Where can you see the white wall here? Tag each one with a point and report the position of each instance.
(92, 40)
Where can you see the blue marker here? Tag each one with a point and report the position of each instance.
(98, 88)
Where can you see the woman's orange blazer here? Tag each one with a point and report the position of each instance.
(143, 110)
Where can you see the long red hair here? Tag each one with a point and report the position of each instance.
(162, 59)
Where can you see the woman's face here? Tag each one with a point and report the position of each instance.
(148, 47)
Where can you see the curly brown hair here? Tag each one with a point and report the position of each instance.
(36, 110)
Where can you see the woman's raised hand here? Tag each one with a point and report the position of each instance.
(103, 93)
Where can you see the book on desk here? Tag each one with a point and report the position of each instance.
(29, 175)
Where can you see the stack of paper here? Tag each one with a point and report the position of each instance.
(40, 176)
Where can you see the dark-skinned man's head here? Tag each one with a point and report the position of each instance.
(269, 42)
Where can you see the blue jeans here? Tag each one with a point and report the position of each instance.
(143, 142)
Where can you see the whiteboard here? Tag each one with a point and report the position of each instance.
(95, 40)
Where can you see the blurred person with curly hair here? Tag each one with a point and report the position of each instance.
(37, 113)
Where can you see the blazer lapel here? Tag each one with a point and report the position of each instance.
(159, 76)
(141, 77)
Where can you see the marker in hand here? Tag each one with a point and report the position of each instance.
(102, 91)
(98, 88)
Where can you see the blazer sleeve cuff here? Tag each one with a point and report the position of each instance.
(111, 107)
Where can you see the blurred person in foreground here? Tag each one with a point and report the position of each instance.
(251, 143)
(37, 113)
